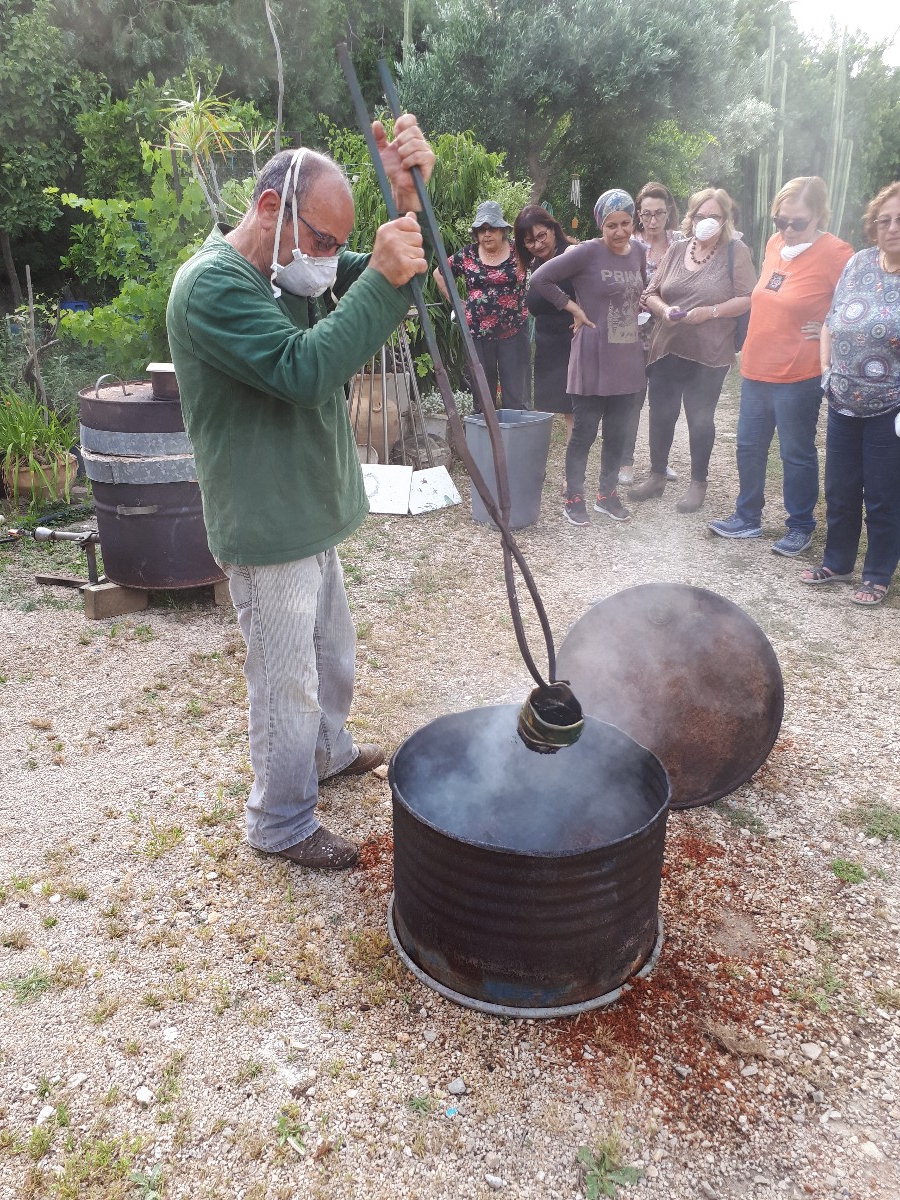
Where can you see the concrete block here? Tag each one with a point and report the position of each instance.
(110, 600)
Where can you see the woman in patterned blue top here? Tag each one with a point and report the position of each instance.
(861, 380)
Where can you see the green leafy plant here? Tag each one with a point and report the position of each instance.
(149, 1183)
(433, 404)
(848, 872)
(602, 1171)
(876, 819)
(290, 1133)
(35, 438)
(30, 986)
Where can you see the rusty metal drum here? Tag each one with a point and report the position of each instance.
(141, 465)
(526, 884)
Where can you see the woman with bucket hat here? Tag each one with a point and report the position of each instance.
(606, 362)
(495, 304)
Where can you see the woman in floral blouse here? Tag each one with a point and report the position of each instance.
(495, 305)
(860, 350)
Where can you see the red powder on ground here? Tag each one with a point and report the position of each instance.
(376, 863)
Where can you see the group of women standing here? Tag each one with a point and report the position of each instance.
(648, 310)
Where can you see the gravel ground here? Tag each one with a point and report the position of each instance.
(181, 1015)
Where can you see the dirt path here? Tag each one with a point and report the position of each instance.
(171, 999)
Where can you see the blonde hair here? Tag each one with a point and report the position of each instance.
(724, 202)
(870, 229)
(809, 190)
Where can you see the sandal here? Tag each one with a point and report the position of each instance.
(821, 575)
(869, 594)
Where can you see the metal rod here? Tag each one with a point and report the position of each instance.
(499, 513)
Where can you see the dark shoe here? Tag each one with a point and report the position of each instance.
(323, 851)
(869, 594)
(368, 757)
(612, 506)
(816, 575)
(735, 527)
(692, 500)
(576, 510)
(794, 542)
(651, 489)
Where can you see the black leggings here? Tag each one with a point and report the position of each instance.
(614, 411)
(673, 380)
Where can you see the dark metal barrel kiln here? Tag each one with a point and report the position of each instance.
(141, 464)
(526, 884)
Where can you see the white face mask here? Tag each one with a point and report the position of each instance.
(789, 252)
(304, 275)
(707, 229)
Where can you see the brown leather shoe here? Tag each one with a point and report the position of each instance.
(693, 498)
(367, 759)
(322, 851)
(652, 487)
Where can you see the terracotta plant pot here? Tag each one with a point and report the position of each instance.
(51, 483)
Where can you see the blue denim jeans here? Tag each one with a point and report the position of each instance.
(862, 465)
(792, 409)
(301, 658)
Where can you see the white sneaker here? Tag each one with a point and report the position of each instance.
(671, 473)
(626, 475)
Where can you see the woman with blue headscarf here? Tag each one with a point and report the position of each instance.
(606, 362)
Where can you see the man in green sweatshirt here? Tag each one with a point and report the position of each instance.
(261, 365)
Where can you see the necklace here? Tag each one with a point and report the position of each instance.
(698, 262)
(888, 270)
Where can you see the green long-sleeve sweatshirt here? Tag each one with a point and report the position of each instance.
(262, 392)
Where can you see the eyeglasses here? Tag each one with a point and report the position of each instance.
(798, 224)
(539, 233)
(887, 222)
(660, 215)
(324, 241)
(487, 229)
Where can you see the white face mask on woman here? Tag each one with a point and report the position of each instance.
(304, 275)
(789, 252)
(707, 229)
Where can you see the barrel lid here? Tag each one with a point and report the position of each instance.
(160, 366)
(686, 673)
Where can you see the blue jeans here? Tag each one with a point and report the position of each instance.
(792, 409)
(301, 651)
(862, 464)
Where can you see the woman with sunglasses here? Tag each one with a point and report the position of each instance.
(699, 290)
(656, 225)
(781, 386)
(861, 378)
(495, 305)
(538, 237)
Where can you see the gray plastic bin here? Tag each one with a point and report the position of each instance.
(526, 440)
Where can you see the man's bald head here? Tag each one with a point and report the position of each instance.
(314, 168)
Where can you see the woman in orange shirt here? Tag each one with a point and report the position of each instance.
(781, 378)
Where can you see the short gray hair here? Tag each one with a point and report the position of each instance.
(314, 166)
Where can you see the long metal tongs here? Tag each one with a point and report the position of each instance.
(499, 512)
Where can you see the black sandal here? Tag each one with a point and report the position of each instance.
(822, 575)
(868, 594)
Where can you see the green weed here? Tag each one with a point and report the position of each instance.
(848, 872)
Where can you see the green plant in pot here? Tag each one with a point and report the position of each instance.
(35, 448)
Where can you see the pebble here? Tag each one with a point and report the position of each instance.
(45, 1114)
(494, 1181)
(750, 1069)
(681, 1071)
(456, 1087)
(170, 1033)
(708, 1190)
(55, 899)
(429, 1035)
(492, 1160)
(870, 1150)
(77, 1080)
(811, 1051)
(381, 772)
(143, 1095)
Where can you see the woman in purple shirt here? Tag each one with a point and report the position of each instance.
(606, 363)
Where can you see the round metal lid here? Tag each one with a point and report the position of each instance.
(687, 674)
